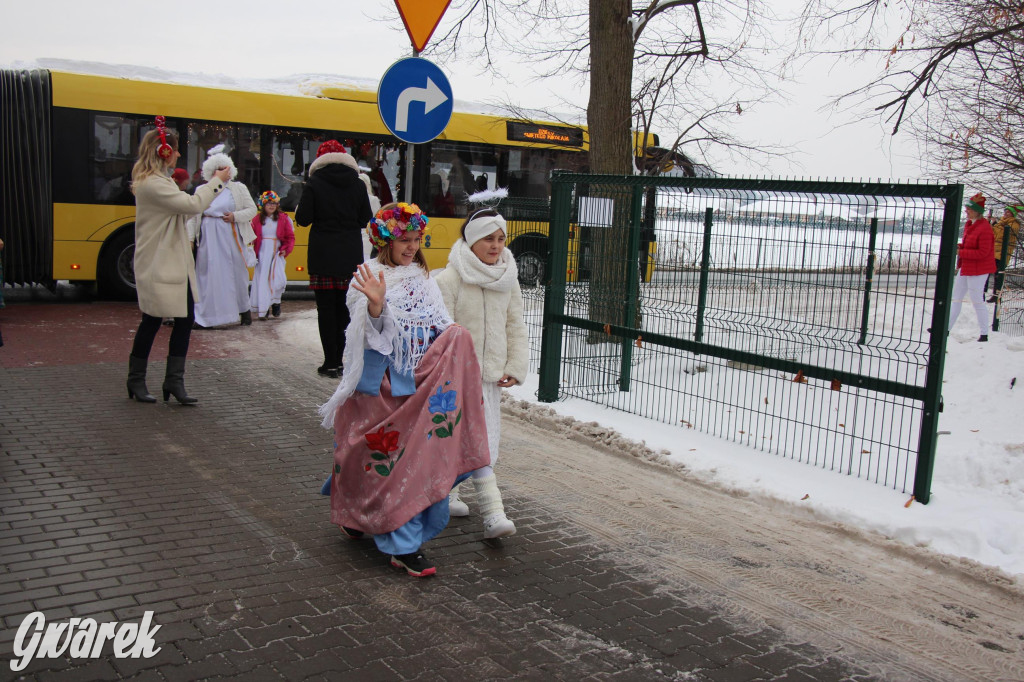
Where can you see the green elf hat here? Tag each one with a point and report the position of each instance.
(976, 203)
(1015, 210)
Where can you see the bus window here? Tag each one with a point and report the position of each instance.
(527, 172)
(294, 151)
(288, 166)
(247, 159)
(381, 163)
(456, 171)
(114, 146)
(241, 143)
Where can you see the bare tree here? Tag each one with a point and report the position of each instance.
(953, 78)
(649, 65)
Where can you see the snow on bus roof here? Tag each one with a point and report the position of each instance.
(296, 85)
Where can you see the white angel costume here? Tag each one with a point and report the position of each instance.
(221, 271)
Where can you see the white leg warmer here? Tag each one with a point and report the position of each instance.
(496, 524)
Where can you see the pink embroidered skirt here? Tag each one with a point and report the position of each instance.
(394, 457)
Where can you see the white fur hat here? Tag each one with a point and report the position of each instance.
(218, 159)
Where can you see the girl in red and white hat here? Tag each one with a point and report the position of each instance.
(976, 260)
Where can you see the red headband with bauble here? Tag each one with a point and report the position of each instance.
(164, 151)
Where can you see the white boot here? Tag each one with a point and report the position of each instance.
(456, 507)
(496, 524)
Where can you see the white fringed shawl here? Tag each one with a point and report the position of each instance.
(412, 306)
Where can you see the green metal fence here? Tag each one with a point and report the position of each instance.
(1008, 313)
(790, 316)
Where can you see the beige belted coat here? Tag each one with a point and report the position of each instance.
(164, 266)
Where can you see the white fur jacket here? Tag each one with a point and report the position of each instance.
(486, 300)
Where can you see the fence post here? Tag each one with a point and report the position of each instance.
(705, 264)
(632, 285)
(997, 279)
(937, 347)
(554, 296)
(868, 275)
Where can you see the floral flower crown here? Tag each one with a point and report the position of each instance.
(391, 223)
(269, 195)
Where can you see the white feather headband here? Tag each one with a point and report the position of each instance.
(490, 197)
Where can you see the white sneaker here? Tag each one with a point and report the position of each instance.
(498, 526)
(457, 507)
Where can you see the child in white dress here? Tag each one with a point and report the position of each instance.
(275, 239)
(481, 290)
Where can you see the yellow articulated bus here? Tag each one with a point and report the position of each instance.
(70, 140)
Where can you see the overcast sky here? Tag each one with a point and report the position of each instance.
(258, 38)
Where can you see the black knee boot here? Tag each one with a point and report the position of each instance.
(174, 381)
(137, 380)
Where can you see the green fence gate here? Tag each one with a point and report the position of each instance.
(791, 316)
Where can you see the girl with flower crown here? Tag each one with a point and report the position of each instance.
(480, 288)
(408, 413)
(275, 239)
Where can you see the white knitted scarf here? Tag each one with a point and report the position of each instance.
(413, 303)
(499, 277)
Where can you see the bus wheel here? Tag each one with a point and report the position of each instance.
(116, 273)
(531, 257)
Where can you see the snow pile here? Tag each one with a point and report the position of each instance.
(296, 85)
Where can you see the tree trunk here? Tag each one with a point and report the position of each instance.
(609, 114)
(609, 119)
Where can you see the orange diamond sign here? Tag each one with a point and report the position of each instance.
(421, 17)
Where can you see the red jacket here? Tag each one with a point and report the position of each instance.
(977, 249)
(285, 233)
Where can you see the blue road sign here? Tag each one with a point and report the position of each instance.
(415, 100)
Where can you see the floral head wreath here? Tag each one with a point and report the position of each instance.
(270, 195)
(391, 223)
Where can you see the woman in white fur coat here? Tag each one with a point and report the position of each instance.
(222, 235)
(480, 288)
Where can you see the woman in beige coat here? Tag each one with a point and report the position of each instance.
(480, 288)
(165, 275)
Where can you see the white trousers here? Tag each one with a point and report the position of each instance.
(492, 419)
(974, 287)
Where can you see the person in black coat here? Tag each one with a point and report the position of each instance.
(334, 202)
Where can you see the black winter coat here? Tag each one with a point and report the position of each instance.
(335, 203)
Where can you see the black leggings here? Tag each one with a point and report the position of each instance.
(332, 318)
(180, 334)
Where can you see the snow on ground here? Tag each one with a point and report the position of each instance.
(977, 506)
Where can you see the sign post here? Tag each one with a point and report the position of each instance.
(420, 17)
(415, 103)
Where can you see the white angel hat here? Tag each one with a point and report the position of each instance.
(216, 158)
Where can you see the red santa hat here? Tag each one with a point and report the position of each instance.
(331, 147)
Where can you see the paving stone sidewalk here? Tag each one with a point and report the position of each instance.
(210, 517)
